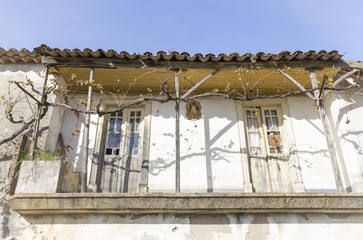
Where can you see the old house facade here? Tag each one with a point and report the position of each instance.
(255, 149)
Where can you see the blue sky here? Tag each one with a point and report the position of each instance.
(186, 26)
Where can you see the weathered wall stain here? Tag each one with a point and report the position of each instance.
(259, 228)
(207, 226)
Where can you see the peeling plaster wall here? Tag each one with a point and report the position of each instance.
(16, 72)
(168, 226)
(49, 130)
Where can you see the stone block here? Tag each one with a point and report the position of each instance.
(46, 177)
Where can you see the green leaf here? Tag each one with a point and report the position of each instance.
(215, 90)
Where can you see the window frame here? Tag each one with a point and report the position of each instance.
(125, 131)
(262, 129)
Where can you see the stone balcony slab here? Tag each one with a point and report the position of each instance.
(186, 203)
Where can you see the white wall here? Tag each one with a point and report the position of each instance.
(169, 226)
(311, 145)
(69, 126)
(345, 115)
(217, 166)
(210, 148)
(16, 72)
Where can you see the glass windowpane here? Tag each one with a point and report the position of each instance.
(137, 124)
(267, 112)
(111, 126)
(113, 114)
(132, 113)
(254, 139)
(118, 125)
(279, 149)
(249, 124)
(132, 124)
(138, 113)
(119, 114)
(116, 151)
(273, 112)
(133, 140)
(108, 151)
(113, 139)
(275, 122)
(255, 123)
(248, 113)
(268, 123)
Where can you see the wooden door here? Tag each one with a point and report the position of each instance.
(269, 165)
(122, 158)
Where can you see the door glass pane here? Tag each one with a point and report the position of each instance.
(275, 122)
(113, 139)
(133, 143)
(268, 123)
(254, 139)
(249, 124)
(255, 123)
(118, 125)
(111, 126)
(137, 124)
(132, 124)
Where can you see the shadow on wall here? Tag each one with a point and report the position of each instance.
(211, 154)
(357, 146)
(75, 155)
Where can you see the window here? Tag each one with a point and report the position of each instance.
(119, 129)
(263, 126)
(122, 154)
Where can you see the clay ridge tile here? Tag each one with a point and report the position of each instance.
(24, 55)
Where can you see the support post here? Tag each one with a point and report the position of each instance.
(33, 144)
(327, 133)
(177, 136)
(86, 134)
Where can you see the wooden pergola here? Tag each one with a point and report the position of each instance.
(202, 77)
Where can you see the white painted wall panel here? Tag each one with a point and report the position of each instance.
(311, 145)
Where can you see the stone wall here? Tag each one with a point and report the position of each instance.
(170, 226)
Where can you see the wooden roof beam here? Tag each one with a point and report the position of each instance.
(200, 82)
(296, 83)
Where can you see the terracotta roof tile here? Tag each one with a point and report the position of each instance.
(23, 55)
